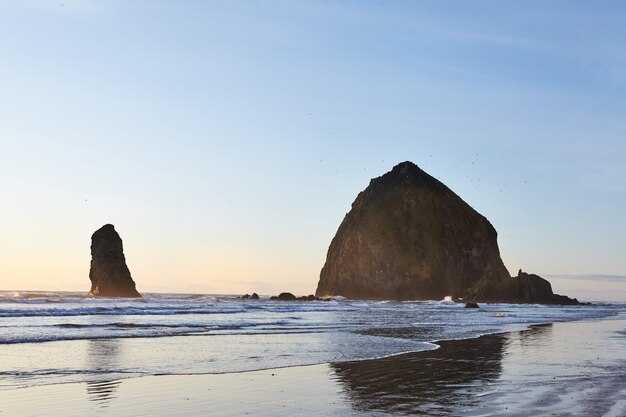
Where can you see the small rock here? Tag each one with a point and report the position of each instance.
(309, 297)
(284, 296)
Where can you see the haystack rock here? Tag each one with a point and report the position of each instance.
(109, 274)
(409, 237)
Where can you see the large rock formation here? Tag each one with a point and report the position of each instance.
(409, 237)
(109, 274)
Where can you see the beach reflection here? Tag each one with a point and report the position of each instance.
(437, 382)
(102, 359)
(539, 334)
(102, 392)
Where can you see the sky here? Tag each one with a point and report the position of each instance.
(226, 140)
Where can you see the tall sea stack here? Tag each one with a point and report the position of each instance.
(109, 274)
(409, 237)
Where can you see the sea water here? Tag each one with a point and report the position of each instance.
(56, 337)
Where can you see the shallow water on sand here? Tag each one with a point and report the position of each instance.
(565, 369)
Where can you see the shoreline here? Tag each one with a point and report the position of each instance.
(484, 375)
(435, 343)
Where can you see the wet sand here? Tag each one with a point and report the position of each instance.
(563, 369)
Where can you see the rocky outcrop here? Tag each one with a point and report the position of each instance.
(409, 237)
(525, 288)
(309, 297)
(109, 274)
(287, 296)
(284, 296)
(254, 296)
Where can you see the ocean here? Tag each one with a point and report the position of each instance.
(59, 337)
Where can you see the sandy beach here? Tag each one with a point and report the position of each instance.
(560, 369)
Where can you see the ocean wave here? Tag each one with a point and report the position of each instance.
(33, 332)
(112, 311)
(75, 316)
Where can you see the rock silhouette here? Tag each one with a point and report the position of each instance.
(409, 237)
(284, 296)
(109, 274)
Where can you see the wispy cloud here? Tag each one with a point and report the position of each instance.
(591, 277)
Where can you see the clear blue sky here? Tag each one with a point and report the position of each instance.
(226, 140)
